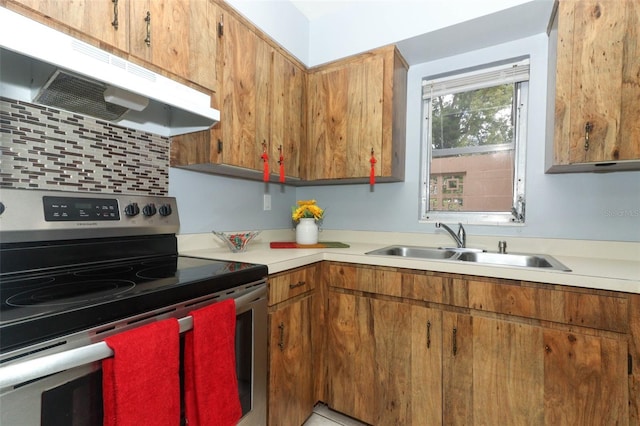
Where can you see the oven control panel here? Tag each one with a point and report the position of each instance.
(46, 215)
(80, 209)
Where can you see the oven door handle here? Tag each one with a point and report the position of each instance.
(36, 368)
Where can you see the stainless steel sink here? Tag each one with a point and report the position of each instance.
(508, 259)
(418, 252)
(472, 255)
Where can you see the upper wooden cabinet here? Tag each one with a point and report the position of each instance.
(357, 109)
(261, 102)
(179, 36)
(106, 20)
(287, 109)
(595, 72)
(243, 98)
(176, 36)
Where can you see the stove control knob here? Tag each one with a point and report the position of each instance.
(149, 210)
(132, 209)
(2, 208)
(165, 210)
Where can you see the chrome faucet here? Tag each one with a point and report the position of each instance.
(460, 238)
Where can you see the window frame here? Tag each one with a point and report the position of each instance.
(517, 214)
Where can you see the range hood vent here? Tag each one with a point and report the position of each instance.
(76, 94)
(43, 66)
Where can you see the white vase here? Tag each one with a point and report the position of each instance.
(307, 231)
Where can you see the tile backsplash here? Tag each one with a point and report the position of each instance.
(46, 148)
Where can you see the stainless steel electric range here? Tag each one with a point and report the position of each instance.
(76, 268)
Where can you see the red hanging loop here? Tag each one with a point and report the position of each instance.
(281, 163)
(372, 174)
(265, 161)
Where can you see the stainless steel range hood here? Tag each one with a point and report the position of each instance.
(43, 66)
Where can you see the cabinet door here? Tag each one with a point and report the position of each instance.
(179, 36)
(457, 369)
(345, 119)
(159, 33)
(597, 82)
(508, 373)
(384, 363)
(243, 98)
(106, 20)
(503, 372)
(287, 115)
(585, 379)
(290, 365)
(204, 64)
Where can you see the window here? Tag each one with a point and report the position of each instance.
(473, 151)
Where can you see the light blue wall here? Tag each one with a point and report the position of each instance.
(207, 202)
(573, 206)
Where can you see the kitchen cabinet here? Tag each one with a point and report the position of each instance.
(489, 361)
(176, 36)
(106, 21)
(288, 115)
(261, 102)
(326, 122)
(383, 367)
(594, 87)
(243, 99)
(409, 347)
(357, 109)
(291, 373)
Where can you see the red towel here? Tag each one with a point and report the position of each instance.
(210, 382)
(141, 382)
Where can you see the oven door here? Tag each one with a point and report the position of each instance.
(64, 387)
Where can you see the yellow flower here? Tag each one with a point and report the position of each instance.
(306, 209)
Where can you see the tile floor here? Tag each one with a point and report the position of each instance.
(323, 416)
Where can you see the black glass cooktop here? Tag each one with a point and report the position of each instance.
(41, 305)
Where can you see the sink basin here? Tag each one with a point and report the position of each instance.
(418, 252)
(473, 255)
(525, 260)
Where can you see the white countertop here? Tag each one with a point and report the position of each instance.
(594, 264)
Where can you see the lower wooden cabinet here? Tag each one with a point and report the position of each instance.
(290, 364)
(432, 358)
(504, 372)
(381, 369)
(291, 372)
(392, 346)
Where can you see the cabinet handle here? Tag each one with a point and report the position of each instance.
(147, 19)
(298, 284)
(281, 341)
(455, 341)
(114, 23)
(428, 334)
(221, 26)
(587, 129)
(219, 146)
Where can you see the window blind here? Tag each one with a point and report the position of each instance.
(512, 72)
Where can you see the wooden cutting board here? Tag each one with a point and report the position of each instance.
(294, 245)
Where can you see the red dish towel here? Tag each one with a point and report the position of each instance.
(210, 382)
(141, 382)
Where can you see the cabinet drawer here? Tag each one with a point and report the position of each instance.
(562, 306)
(377, 280)
(424, 286)
(291, 283)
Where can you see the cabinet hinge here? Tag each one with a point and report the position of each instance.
(221, 26)
(630, 364)
(219, 146)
